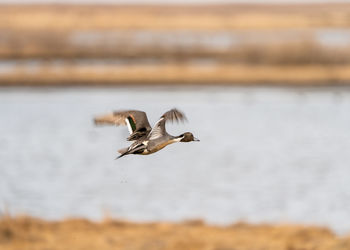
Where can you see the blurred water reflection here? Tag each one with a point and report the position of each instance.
(266, 155)
(205, 39)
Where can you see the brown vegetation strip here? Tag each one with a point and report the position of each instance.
(222, 17)
(79, 234)
(177, 73)
(84, 32)
(59, 45)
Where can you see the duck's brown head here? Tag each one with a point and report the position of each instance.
(187, 137)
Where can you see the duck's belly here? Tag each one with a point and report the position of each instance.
(154, 149)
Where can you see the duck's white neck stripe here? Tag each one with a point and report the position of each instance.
(129, 126)
(177, 139)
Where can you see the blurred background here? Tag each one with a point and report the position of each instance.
(264, 87)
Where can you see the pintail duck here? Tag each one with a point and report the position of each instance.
(146, 140)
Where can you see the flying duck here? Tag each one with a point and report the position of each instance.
(146, 140)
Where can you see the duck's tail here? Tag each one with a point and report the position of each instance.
(136, 149)
(123, 151)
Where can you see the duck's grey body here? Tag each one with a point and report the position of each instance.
(146, 140)
(146, 147)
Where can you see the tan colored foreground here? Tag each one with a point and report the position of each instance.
(78, 234)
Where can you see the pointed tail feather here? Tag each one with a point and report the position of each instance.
(123, 151)
(136, 149)
(119, 157)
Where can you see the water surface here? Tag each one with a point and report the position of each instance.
(266, 155)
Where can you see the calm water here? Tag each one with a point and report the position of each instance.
(190, 39)
(266, 155)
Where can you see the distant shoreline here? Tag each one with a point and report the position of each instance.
(45, 41)
(174, 74)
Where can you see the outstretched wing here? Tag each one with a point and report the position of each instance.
(136, 121)
(159, 128)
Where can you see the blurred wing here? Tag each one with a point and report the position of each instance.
(111, 119)
(136, 121)
(159, 128)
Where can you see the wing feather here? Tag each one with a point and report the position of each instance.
(136, 120)
(159, 130)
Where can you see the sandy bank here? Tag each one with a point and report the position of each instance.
(30, 233)
(173, 74)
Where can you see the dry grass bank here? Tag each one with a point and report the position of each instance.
(35, 234)
(167, 74)
(64, 31)
(146, 35)
(218, 17)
